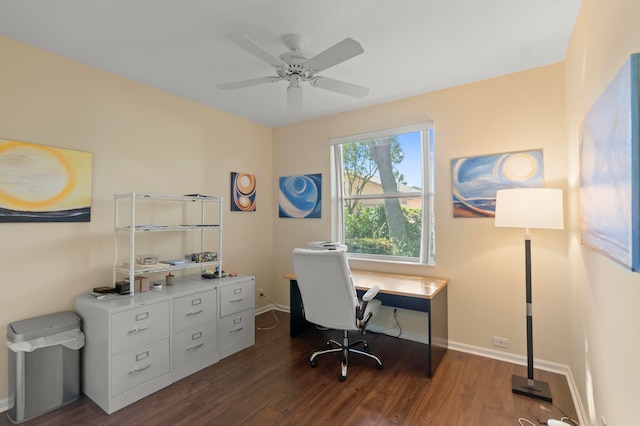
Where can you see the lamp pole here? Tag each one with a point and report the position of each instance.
(521, 385)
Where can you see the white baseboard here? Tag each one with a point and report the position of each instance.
(272, 308)
(419, 338)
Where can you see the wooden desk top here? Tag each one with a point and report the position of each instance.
(402, 285)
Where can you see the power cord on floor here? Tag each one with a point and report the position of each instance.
(262, 294)
(395, 316)
(564, 419)
(542, 422)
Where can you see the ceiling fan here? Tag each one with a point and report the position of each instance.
(296, 67)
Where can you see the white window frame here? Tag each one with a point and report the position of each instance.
(338, 196)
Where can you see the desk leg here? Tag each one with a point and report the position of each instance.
(438, 330)
(298, 323)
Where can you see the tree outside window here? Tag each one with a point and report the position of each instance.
(385, 195)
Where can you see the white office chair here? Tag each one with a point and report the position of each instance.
(330, 300)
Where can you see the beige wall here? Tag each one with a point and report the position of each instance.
(485, 265)
(605, 318)
(142, 140)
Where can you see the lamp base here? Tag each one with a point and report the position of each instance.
(540, 390)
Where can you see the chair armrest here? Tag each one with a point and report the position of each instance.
(369, 295)
(373, 291)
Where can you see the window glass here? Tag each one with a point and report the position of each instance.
(384, 188)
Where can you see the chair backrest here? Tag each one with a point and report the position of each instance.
(327, 291)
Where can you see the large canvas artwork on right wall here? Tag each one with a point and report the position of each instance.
(609, 183)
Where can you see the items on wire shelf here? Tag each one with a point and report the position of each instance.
(176, 262)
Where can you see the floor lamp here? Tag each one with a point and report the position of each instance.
(529, 208)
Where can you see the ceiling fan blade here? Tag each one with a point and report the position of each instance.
(294, 94)
(346, 49)
(341, 87)
(255, 49)
(247, 83)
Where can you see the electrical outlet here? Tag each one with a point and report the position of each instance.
(501, 342)
(261, 293)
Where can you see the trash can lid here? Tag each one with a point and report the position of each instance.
(45, 325)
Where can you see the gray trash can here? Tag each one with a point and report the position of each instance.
(44, 364)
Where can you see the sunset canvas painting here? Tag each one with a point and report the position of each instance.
(44, 184)
(477, 179)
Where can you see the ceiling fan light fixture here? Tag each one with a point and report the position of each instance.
(294, 82)
(294, 96)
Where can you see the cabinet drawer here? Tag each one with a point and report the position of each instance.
(137, 366)
(194, 343)
(237, 297)
(194, 309)
(237, 330)
(139, 325)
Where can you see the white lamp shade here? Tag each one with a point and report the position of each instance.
(532, 208)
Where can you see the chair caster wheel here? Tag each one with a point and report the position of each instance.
(379, 366)
(366, 348)
(312, 364)
(343, 378)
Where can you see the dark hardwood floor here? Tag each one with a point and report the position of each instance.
(272, 383)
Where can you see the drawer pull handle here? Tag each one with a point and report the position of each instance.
(236, 330)
(236, 300)
(195, 346)
(194, 312)
(138, 329)
(136, 369)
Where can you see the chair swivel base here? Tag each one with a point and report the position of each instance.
(345, 348)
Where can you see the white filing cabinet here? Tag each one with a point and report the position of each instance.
(237, 322)
(136, 345)
(195, 343)
(126, 354)
(236, 319)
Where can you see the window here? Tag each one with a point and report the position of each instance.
(383, 204)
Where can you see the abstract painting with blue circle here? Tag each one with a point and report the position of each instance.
(477, 179)
(300, 196)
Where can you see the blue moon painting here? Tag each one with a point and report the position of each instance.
(477, 179)
(300, 196)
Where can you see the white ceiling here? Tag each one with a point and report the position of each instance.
(410, 46)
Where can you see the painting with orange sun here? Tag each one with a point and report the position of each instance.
(243, 192)
(44, 184)
(477, 179)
